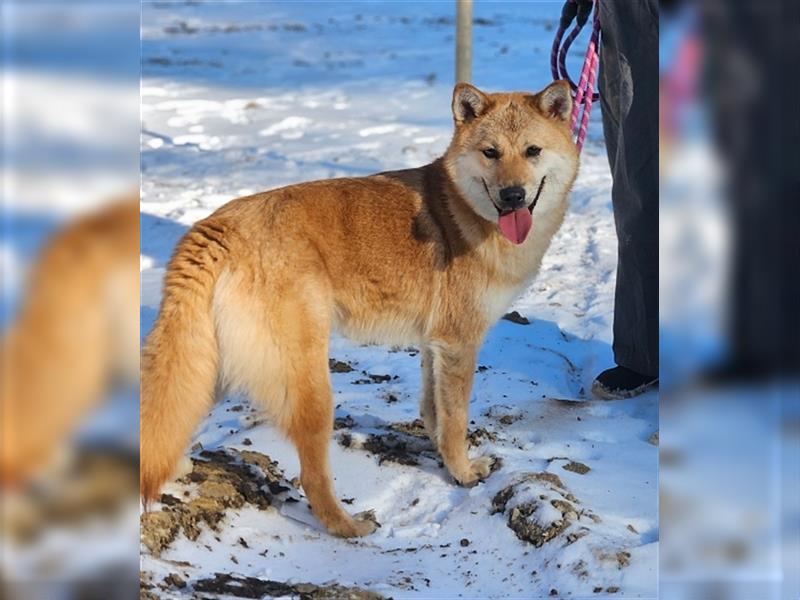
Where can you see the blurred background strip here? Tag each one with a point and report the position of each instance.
(69, 299)
(730, 300)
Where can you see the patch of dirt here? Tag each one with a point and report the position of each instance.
(477, 436)
(224, 584)
(414, 428)
(574, 536)
(338, 366)
(517, 318)
(580, 569)
(438, 21)
(509, 419)
(539, 509)
(504, 415)
(346, 422)
(94, 483)
(526, 528)
(145, 594)
(181, 27)
(294, 27)
(145, 586)
(405, 442)
(538, 489)
(653, 439)
(576, 467)
(617, 558)
(401, 449)
(173, 580)
(185, 62)
(410, 350)
(225, 479)
(373, 378)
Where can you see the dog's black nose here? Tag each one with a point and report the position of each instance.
(513, 197)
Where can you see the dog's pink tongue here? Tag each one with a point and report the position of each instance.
(516, 225)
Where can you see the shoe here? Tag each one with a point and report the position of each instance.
(620, 382)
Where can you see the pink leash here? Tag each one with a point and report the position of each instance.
(585, 89)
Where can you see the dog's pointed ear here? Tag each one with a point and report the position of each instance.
(468, 102)
(555, 101)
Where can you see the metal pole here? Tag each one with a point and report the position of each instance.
(463, 40)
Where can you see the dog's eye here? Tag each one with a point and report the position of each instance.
(533, 151)
(491, 153)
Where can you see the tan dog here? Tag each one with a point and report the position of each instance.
(429, 256)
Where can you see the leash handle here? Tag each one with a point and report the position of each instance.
(554, 66)
(584, 89)
(568, 13)
(573, 10)
(562, 55)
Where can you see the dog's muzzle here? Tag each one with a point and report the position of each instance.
(513, 198)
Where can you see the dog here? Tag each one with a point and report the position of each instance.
(431, 256)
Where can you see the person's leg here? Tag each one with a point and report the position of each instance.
(629, 101)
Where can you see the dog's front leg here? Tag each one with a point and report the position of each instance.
(427, 404)
(453, 371)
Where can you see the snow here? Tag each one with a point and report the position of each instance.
(243, 97)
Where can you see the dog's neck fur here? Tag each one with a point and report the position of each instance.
(470, 229)
(446, 217)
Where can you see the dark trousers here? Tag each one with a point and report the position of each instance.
(629, 102)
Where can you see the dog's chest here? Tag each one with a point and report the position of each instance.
(506, 274)
(497, 298)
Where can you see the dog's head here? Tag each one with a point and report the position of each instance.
(512, 155)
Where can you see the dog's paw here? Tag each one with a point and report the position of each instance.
(360, 525)
(479, 469)
(365, 522)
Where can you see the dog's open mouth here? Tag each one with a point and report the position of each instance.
(516, 224)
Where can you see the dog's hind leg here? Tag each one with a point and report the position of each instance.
(311, 429)
(275, 346)
(310, 425)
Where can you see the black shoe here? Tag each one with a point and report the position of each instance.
(619, 382)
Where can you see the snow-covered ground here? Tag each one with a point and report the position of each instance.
(242, 97)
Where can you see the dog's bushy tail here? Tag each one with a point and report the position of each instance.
(180, 360)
